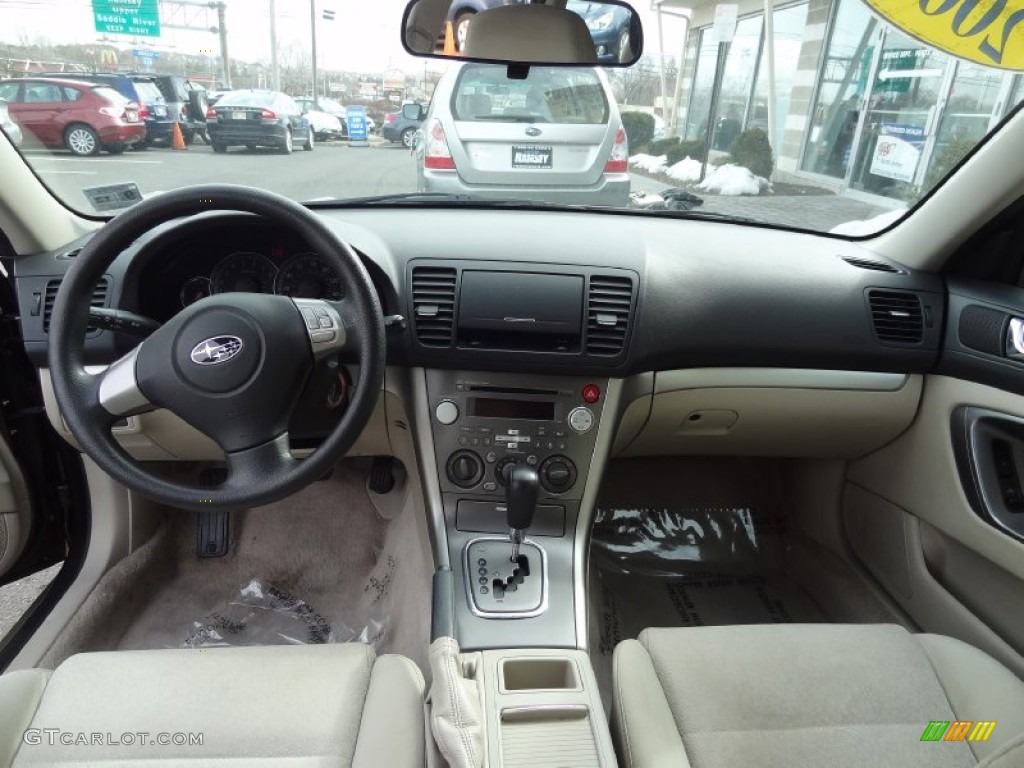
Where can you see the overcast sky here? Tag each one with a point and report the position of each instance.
(363, 37)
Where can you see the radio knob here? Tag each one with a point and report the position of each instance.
(581, 419)
(447, 412)
(465, 469)
(558, 474)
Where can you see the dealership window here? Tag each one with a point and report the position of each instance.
(842, 90)
(743, 96)
(703, 80)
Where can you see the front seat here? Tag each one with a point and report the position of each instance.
(803, 696)
(292, 706)
(531, 34)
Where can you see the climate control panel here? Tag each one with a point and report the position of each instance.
(483, 424)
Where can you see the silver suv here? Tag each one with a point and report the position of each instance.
(554, 136)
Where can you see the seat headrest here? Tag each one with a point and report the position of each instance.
(531, 34)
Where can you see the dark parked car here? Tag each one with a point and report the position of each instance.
(83, 117)
(400, 127)
(186, 102)
(8, 126)
(610, 26)
(258, 119)
(143, 90)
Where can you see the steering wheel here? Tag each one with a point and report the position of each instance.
(232, 365)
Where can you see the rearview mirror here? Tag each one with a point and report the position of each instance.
(515, 32)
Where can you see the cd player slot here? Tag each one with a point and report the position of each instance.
(510, 390)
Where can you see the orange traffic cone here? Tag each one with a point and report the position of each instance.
(449, 40)
(177, 140)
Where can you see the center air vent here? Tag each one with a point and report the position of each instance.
(897, 316)
(433, 305)
(608, 303)
(99, 299)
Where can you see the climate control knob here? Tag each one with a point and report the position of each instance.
(557, 474)
(503, 469)
(465, 469)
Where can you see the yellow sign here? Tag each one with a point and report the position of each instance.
(989, 32)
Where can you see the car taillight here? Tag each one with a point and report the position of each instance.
(143, 111)
(618, 162)
(268, 114)
(389, 118)
(211, 114)
(184, 110)
(436, 155)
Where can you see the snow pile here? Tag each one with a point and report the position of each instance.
(869, 226)
(649, 163)
(645, 199)
(732, 180)
(686, 170)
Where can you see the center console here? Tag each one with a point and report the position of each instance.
(483, 425)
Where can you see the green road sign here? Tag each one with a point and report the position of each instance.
(127, 17)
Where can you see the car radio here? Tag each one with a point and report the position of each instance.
(484, 423)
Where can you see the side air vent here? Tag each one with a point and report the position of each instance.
(99, 299)
(433, 305)
(874, 266)
(897, 316)
(608, 303)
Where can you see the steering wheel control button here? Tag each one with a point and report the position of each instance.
(323, 336)
(447, 412)
(591, 393)
(310, 317)
(581, 419)
(323, 324)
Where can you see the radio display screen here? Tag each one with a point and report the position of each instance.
(500, 408)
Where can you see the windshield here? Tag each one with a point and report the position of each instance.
(821, 117)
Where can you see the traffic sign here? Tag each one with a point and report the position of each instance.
(140, 18)
(142, 53)
(355, 118)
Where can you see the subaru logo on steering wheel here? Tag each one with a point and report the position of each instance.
(218, 349)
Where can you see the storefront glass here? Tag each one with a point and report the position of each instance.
(842, 90)
(789, 36)
(703, 80)
(900, 117)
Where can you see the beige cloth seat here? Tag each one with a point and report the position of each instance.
(803, 696)
(289, 706)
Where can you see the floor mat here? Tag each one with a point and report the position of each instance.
(324, 553)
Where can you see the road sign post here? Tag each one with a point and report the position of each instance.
(139, 18)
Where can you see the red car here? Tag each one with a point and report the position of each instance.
(83, 117)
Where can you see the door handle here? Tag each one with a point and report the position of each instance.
(1015, 339)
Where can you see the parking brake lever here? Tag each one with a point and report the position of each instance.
(521, 489)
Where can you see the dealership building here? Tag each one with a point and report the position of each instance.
(859, 107)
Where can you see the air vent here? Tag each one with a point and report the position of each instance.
(608, 302)
(70, 254)
(433, 305)
(897, 316)
(99, 299)
(874, 266)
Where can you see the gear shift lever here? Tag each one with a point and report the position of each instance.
(521, 488)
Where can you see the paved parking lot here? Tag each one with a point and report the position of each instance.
(330, 170)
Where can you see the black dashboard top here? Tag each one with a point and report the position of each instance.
(658, 294)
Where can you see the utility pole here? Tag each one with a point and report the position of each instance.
(312, 29)
(275, 70)
(225, 61)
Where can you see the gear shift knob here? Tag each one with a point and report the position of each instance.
(521, 494)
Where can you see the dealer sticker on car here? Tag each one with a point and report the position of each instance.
(531, 157)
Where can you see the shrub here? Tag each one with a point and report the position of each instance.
(662, 146)
(752, 150)
(639, 127)
(693, 148)
(950, 157)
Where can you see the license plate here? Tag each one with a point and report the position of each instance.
(238, 115)
(531, 157)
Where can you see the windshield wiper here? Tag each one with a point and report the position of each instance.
(679, 213)
(446, 198)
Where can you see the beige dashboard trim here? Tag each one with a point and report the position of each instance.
(793, 378)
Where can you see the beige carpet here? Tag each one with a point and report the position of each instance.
(325, 546)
